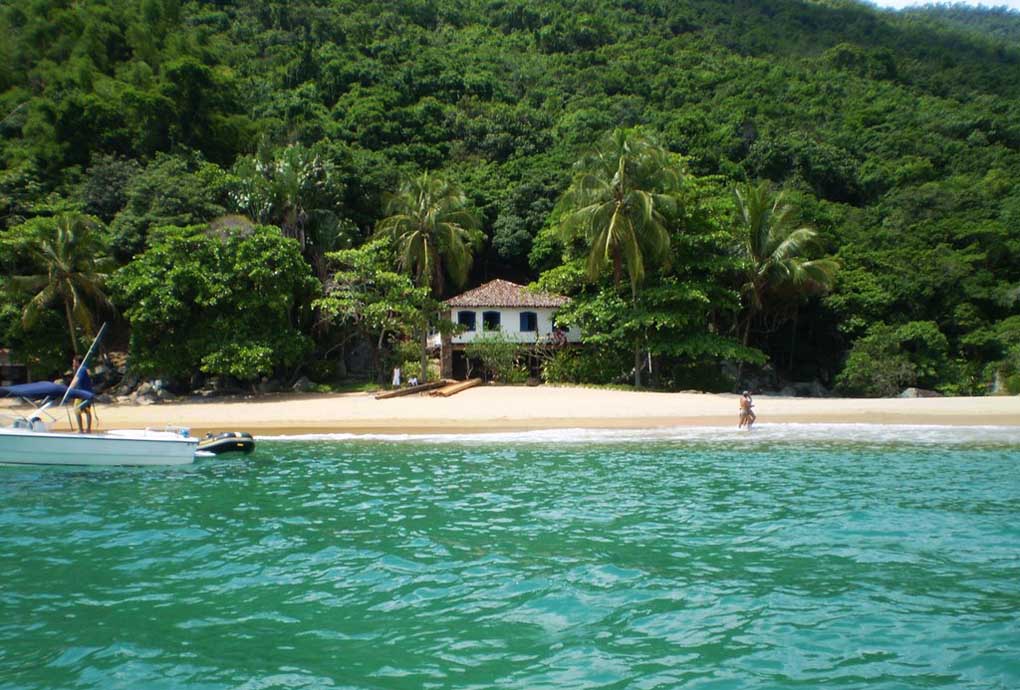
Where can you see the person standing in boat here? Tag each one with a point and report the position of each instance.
(82, 382)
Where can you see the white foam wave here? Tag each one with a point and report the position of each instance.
(882, 434)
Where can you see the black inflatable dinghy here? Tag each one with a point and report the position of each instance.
(227, 442)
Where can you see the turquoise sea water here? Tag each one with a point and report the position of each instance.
(814, 557)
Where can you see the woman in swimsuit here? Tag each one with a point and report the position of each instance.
(747, 415)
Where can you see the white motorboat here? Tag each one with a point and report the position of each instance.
(37, 446)
(29, 440)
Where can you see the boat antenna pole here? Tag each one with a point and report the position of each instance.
(84, 362)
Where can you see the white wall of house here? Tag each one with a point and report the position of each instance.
(510, 324)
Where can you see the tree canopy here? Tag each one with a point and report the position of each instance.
(895, 135)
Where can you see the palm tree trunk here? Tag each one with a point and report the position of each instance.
(70, 327)
(637, 340)
(424, 353)
(377, 357)
(637, 361)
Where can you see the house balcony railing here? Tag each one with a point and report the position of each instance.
(531, 337)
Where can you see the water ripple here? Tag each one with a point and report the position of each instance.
(581, 560)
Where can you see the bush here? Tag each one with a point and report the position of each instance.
(412, 367)
(1004, 375)
(875, 366)
(44, 349)
(502, 357)
(889, 358)
(588, 365)
(928, 350)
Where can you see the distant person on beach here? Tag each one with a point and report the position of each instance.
(396, 377)
(747, 415)
(82, 382)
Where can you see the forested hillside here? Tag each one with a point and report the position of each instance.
(999, 23)
(896, 137)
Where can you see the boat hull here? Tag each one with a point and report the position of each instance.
(26, 447)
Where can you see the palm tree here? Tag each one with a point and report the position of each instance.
(72, 258)
(620, 200)
(435, 234)
(291, 189)
(774, 250)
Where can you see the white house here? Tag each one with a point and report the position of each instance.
(518, 314)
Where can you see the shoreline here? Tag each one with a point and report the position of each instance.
(490, 409)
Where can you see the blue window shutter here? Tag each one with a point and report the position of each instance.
(490, 321)
(529, 321)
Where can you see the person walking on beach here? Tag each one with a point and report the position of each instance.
(747, 415)
(82, 382)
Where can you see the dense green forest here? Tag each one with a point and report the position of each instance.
(999, 23)
(214, 177)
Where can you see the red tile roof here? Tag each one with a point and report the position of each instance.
(503, 293)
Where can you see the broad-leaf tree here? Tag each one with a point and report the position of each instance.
(367, 298)
(435, 233)
(216, 301)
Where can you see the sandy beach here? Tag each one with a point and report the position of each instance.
(499, 408)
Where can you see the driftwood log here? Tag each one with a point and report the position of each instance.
(410, 390)
(454, 388)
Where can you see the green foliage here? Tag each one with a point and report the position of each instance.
(434, 231)
(1007, 371)
(435, 234)
(171, 190)
(927, 348)
(680, 314)
(1003, 373)
(992, 21)
(876, 366)
(774, 253)
(405, 354)
(198, 300)
(43, 348)
(888, 358)
(64, 269)
(104, 192)
(367, 298)
(297, 190)
(621, 201)
(894, 134)
(586, 365)
(502, 357)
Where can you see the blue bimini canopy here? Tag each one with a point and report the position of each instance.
(43, 390)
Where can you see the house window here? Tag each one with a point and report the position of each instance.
(529, 322)
(466, 319)
(490, 320)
